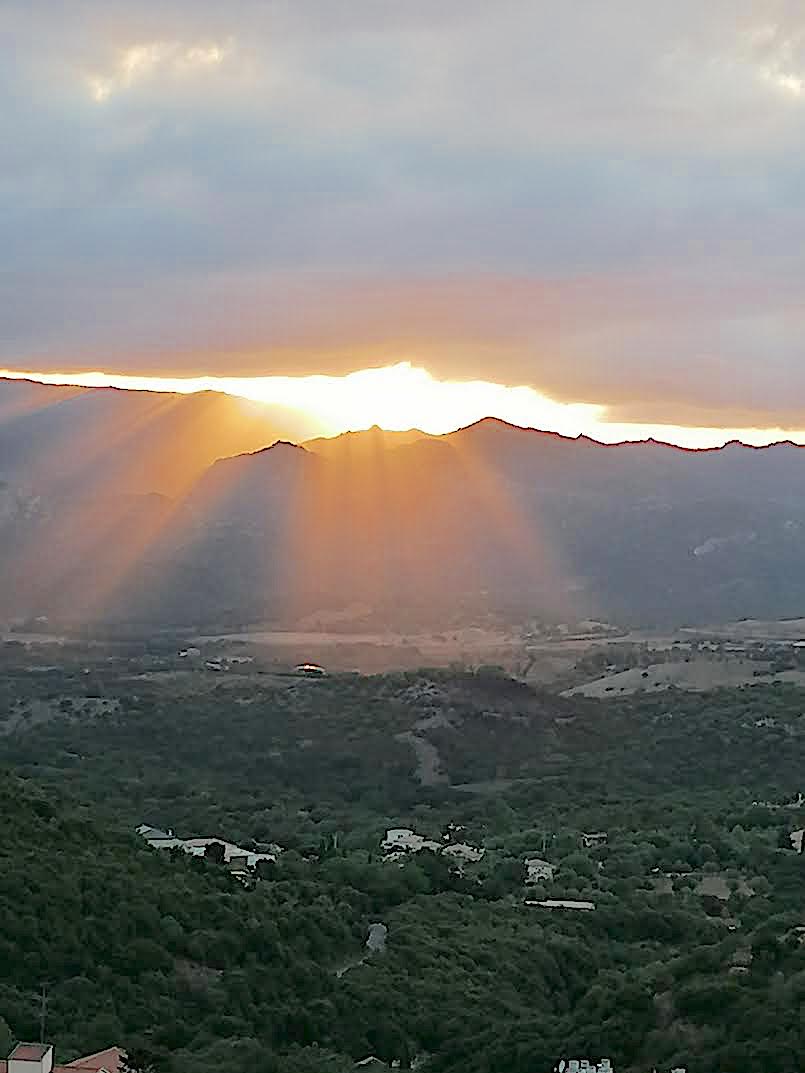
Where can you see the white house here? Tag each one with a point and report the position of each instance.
(157, 838)
(597, 838)
(537, 870)
(554, 903)
(197, 847)
(401, 838)
(463, 851)
(38, 1058)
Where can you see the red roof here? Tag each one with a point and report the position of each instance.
(30, 1052)
(110, 1060)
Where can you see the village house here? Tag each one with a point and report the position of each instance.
(158, 839)
(402, 840)
(39, 1058)
(583, 1065)
(236, 858)
(561, 903)
(463, 851)
(538, 870)
(598, 838)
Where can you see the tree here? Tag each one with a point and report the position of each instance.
(146, 1058)
(6, 1038)
(215, 852)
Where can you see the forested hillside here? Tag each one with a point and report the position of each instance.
(692, 954)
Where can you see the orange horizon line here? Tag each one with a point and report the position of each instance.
(581, 437)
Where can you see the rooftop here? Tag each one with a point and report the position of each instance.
(29, 1052)
(107, 1061)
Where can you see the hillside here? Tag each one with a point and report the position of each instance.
(692, 954)
(95, 442)
(139, 950)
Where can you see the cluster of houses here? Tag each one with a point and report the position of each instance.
(39, 1058)
(239, 861)
(583, 1065)
(400, 841)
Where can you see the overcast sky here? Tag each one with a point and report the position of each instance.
(603, 199)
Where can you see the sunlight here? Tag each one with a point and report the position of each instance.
(396, 397)
(405, 396)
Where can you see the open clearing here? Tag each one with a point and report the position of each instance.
(696, 675)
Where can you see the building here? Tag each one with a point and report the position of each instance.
(235, 857)
(39, 1058)
(401, 839)
(463, 852)
(598, 838)
(157, 838)
(554, 903)
(538, 870)
(310, 670)
(584, 1065)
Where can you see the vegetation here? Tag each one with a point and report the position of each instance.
(692, 956)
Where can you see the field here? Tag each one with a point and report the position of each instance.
(695, 674)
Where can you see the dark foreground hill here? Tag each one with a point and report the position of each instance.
(491, 518)
(646, 808)
(161, 956)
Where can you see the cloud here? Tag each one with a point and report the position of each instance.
(600, 200)
(144, 61)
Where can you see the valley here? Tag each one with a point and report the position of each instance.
(669, 818)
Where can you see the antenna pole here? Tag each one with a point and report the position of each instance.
(43, 1013)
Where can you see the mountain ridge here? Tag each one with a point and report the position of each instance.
(492, 518)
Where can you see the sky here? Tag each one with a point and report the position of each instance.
(582, 215)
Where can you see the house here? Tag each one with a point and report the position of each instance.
(38, 1058)
(235, 857)
(157, 838)
(553, 903)
(538, 870)
(402, 839)
(463, 852)
(310, 670)
(797, 838)
(583, 1065)
(108, 1061)
(599, 838)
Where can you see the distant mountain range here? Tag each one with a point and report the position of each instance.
(121, 505)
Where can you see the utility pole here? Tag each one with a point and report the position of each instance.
(43, 1013)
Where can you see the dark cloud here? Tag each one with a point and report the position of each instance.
(604, 201)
